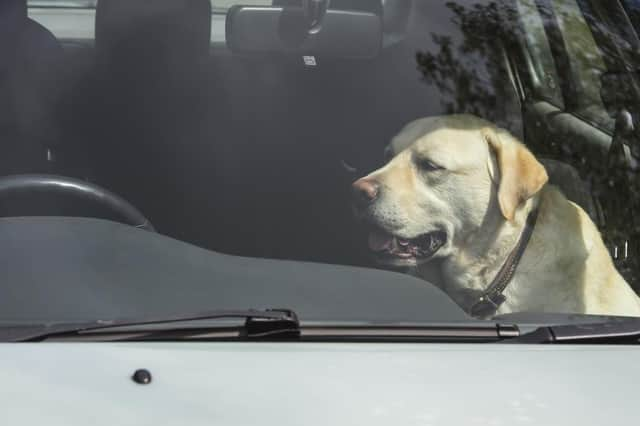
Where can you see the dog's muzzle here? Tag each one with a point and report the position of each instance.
(387, 247)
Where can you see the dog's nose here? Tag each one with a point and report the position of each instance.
(365, 191)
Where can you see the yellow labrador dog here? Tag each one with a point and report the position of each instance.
(463, 191)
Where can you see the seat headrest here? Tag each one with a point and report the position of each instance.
(14, 7)
(13, 19)
(13, 15)
(182, 26)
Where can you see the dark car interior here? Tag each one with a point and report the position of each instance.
(240, 145)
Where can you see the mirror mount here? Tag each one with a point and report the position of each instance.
(315, 11)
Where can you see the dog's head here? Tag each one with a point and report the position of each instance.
(445, 178)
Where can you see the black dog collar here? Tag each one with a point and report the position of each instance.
(491, 299)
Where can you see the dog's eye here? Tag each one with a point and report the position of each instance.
(427, 165)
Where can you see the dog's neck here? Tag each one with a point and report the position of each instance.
(476, 260)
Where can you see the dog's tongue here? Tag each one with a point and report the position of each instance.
(380, 240)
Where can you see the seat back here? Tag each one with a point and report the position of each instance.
(150, 79)
(30, 61)
(567, 178)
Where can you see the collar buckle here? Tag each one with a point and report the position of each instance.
(489, 302)
(487, 305)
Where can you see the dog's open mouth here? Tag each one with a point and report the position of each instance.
(391, 247)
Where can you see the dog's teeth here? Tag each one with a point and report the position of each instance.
(402, 242)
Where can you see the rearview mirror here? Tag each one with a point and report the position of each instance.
(280, 30)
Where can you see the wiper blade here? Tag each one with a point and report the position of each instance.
(469, 332)
(614, 331)
(271, 324)
(268, 323)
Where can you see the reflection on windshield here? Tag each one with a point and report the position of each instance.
(611, 181)
(468, 71)
(489, 147)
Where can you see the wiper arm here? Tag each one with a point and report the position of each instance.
(614, 331)
(268, 323)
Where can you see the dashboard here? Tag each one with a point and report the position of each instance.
(59, 269)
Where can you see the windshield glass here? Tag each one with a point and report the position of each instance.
(488, 148)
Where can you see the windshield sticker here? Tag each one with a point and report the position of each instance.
(309, 61)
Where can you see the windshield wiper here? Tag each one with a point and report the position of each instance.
(268, 323)
(283, 324)
(613, 331)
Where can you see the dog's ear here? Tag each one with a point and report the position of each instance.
(521, 175)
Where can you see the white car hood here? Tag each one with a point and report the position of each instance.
(317, 384)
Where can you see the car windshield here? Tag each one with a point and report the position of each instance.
(488, 148)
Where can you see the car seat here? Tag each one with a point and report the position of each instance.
(149, 98)
(30, 61)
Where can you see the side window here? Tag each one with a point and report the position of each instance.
(546, 83)
(66, 19)
(587, 64)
